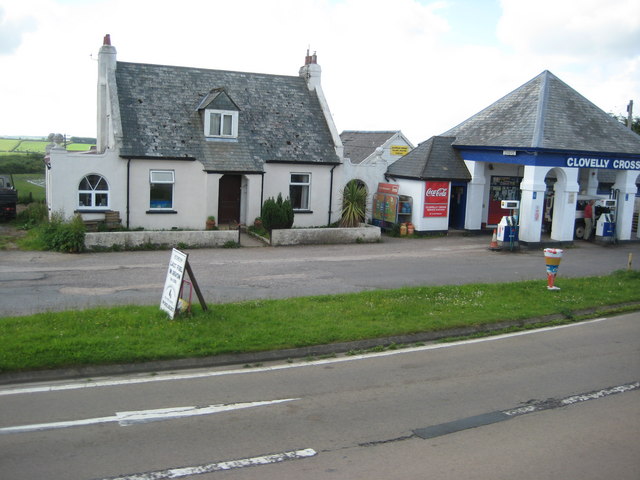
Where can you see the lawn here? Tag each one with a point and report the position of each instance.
(136, 334)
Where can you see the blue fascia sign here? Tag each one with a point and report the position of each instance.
(599, 162)
(550, 159)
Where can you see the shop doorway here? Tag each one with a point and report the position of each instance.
(502, 188)
(229, 195)
(457, 205)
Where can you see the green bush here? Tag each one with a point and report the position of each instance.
(61, 236)
(277, 213)
(33, 215)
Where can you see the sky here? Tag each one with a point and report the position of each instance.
(419, 66)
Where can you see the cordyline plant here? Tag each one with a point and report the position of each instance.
(354, 204)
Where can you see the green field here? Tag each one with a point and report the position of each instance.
(78, 147)
(36, 146)
(7, 144)
(30, 183)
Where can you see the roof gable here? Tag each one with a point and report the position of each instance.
(433, 159)
(218, 99)
(280, 118)
(545, 113)
(360, 145)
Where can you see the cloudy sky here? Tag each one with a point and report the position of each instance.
(420, 66)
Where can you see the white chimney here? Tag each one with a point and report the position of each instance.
(106, 72)
(311, 71)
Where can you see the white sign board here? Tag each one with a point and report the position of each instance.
(173, 283)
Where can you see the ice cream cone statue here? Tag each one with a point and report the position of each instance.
(552, 257)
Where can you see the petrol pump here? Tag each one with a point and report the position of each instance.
(508, 226)
(605, 212)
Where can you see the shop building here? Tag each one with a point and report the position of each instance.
(368, 155)
(544, 146)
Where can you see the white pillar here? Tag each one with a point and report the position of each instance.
(626, 185)
(564, 205)
(532, 203)
(592, 182)
(475, 195)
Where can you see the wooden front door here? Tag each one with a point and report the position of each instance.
(229, 194)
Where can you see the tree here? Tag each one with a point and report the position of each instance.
(277, 213)
(635, 123)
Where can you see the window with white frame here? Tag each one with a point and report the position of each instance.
(221, 123)
(299, 187)
(93, 192)
(161, 189)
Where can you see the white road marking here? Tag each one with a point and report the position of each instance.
(216, 467)
(501, 416)
(600, 393)
(563, 402)
(143, 416)
(110, 382)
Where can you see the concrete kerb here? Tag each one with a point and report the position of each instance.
(300, 354)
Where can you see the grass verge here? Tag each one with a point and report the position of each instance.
(136, 334)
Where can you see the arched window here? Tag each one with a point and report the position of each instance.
(93, 192)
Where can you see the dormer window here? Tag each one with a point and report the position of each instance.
(221, 123)
(219, 115)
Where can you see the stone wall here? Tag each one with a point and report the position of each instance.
(322, 236)
(207, 238)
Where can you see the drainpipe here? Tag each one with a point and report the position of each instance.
(261, 193)
(331, 194)
(128, 188)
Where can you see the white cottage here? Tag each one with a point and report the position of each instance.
(177, 144)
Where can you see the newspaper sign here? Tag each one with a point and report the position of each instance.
(173, 283)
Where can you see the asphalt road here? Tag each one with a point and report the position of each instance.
(33, 282)
(562, 403)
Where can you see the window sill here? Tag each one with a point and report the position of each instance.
(92, 210)
(222, 139)
(303, 211)
(161, 211)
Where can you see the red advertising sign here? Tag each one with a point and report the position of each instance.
(388, 188)
(436, 199)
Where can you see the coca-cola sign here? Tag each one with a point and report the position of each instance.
(436, 199)
(440, 192)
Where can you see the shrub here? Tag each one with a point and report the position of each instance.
(277, 213)
(61, 236)
(33, 215)
(354, 204)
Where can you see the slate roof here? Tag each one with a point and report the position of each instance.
(280, 120)
(434, 159)
(547, 114)
(359, 145)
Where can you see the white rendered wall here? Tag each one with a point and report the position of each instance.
(188, 196)
(67, 171)
(277, 179)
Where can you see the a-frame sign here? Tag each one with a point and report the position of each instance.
(178, 265)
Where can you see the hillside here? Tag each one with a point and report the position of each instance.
(38, 144)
